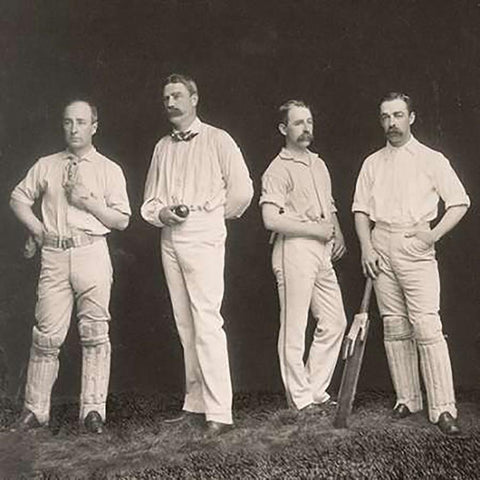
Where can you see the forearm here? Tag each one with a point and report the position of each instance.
(281, 223)
(449, 220)
(238, 200)
(110, 217)
(25, 214)
(363, 229)
(291, 228)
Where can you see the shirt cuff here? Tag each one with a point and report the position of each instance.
(150, 211)
(20, 197)
(464, 201)
(277, 200)
(359, 207)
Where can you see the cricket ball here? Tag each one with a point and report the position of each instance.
(181, 210)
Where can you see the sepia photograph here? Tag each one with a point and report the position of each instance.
(240, 239)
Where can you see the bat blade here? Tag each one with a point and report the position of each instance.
(352, 351)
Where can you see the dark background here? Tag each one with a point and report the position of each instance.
(247, 58)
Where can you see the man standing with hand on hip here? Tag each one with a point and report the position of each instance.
(397, 193)
(297, 205)
(83, 196)
(197, 179)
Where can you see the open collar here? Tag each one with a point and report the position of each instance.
(410, 147)
(89, 156)
(286, 154)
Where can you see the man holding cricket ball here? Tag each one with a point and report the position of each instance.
(197, 179)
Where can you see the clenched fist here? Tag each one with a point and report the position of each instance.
(79, 196)
(325, 231)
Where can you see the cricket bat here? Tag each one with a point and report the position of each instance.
(352, 352)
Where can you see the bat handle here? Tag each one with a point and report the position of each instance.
(366, 296)
(346, 348)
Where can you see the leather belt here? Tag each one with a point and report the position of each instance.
(75, 241)
(399, 228)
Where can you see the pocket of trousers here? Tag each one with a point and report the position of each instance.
(415, 246)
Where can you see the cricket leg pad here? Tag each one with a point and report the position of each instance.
(436, 367)
(96, 353)
(42, 373)
(402, 356)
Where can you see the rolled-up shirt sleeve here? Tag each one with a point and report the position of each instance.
(333, 206)
(361, 198)
(448, 185)
(151, 202)
(30, 188)
(238, 184)
(116, 196)
(274, 190)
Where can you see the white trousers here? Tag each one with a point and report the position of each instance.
(306, 279)
(83, 276)
(408, 296)
(193, 257)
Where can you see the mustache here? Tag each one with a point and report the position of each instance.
(393, 130)
(173, 112)
(305, 136)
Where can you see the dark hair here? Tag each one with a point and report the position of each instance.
(285, 108)
(397, 96)
(86, 100)
(189, 83)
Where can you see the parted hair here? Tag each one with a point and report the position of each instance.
(181, 78)
(83, 99)
(397, 96)
(285, 108)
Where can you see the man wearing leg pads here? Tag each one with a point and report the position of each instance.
(397, 192)
(83, 196)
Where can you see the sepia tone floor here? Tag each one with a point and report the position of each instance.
(269, 442)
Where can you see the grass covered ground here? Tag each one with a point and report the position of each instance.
(270, 442)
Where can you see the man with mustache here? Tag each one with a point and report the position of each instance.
(83, 197)
(200, 167)
(297, 205)
(397, 194)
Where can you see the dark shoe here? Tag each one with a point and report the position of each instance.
(214, 429)
(93, 423)
(311, 407)
(447, 424)
(184, 417)
(27, 421)
(329, 402)
(309, 411)
(401, 411)
(315, 408)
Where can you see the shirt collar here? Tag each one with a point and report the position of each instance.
(194, 126)
(89, 156)
(410, 147)
(286, 154)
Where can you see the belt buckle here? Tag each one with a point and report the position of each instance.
(66, 243)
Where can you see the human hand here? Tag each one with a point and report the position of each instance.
(339, 248)
(79, 196)
(34, 242)
(324, 231)
(370, 262)
(168, 217)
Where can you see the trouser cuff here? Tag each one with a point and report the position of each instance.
(220, 417)
(43, 417)
(434, 413)
(92, 407)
